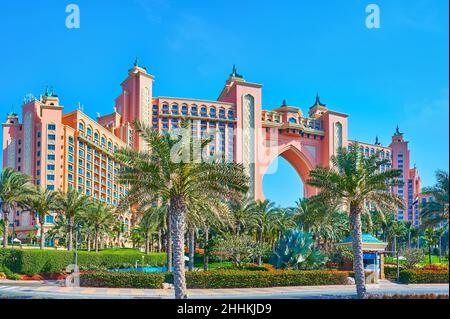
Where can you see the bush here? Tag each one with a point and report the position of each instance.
(435, 267)
(423, 276)
(412, 257)
(123, 280)
(32, 262)
(261, 279)
(215, 279)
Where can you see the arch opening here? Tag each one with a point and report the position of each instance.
(283, 185)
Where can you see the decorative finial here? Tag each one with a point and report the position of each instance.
(284, 102)
(397, 131)
(136, 62)
(46, 91)
(377, 142)
(318, 103)
(234, 73)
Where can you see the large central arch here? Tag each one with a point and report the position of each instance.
(302, 161)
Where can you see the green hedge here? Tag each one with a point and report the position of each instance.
(216, 279)
(423, 276)
(32, 262)
(123, 280)
(261, 279)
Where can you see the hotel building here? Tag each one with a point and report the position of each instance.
(63, 151)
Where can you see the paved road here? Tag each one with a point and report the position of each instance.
(53, 291)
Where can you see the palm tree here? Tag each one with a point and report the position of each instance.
(100, 216)
(244, 213)
(397, 229)
(350, 182)
(409, 226)
(72, 204)
(170, 172)
(149, 222)
(440, 232)
(431, 240)
(32, 237)
(15, 187)
(43, 202)
(267, 218)
(436, 211)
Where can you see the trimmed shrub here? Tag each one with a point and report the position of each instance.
(215, 279)
(423, 276)
(123, 280)
(31, 262)
(261, 279)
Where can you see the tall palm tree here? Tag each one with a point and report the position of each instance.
(409, 226)
(99, 215)
(350, 182)
(267, 217)
(170, 171)
(244, 213)
(431, 240)
(436, 211)
(72, 204)
(149, 222)
(15, 188)
(43, 202)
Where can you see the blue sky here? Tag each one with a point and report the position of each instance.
(394, 75)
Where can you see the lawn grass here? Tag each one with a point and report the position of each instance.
(212, 266)
(425, 261)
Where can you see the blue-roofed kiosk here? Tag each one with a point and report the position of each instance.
(373, 249)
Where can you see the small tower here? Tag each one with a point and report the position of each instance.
(318, 108)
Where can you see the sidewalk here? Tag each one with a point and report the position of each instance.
(54, 290)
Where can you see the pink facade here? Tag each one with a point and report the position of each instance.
(73, 151)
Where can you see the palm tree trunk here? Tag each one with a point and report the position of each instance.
(70, 240)
(159, 241)
(191, 249)
(178, 218)
(429, 253)
(358, 262)
(5, 228)
(42, 235)
(409, 240)
(440, 249)
(205, 250)
(88, 243)
(260, 241)
(169, 243)
(96, 239)
(146, 244)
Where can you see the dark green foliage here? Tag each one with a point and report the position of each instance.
(423, 276)
(295, 251)
(260, 279)
(123, 280)
(32, 262)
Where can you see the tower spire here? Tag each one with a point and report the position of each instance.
(377, 142)
(234, 73)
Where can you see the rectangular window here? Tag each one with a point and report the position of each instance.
(50, 177)
(51, 167)
(52, 137)
(51, 147)
(51, 127)
(51, 157)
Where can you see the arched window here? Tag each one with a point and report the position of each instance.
(293, 120)
(337, 136)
